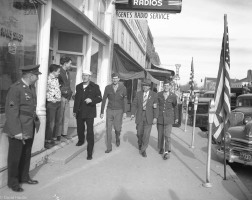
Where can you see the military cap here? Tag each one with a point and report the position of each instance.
(34, 69)
(87, 72)
(146, 82)
(115, 75)
(167, 82)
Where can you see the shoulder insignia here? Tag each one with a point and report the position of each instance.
(11, 104)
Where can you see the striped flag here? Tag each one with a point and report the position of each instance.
(222, 90)
(191, 83)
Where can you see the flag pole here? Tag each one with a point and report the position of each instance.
(224, 117)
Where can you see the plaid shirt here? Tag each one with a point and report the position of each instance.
(53, 93)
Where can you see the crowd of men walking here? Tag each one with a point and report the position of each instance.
(148, 108)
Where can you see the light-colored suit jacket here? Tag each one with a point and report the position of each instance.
(151, 107)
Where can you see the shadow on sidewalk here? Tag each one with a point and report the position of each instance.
(122, 195)
(131, 138)
(188, 167)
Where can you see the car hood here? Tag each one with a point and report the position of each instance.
(237, 132)
(244, 110)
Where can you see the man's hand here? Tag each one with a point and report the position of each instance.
(131, 117)
(154, 120)
(176, 121)
(74, 114)
(88, 100)
(101, 116)
(124, 115)
(19, 136)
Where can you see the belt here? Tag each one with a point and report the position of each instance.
(26, 113)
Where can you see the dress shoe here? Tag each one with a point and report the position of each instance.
(30, 181)
(89, 158)
(108, 150)
(144, 154)
(79, 143)
(166, 155)
(17, 189)
(117, 141)
(161, 151)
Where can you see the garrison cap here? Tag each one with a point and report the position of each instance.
(146, 82)
(34, 69)
(167, 82)
(115, 75)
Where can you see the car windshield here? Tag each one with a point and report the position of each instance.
(244, 102)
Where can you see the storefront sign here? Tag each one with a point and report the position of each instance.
(166, 6)
(4, 32)
(140, 15)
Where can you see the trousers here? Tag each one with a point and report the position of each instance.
(90, 132)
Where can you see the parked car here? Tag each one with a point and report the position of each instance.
(239, 136)
(202, 111)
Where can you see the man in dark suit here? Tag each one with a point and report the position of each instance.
(145, 108)
(168, 115)
(88, 94)
(66, 94)
(21, 121)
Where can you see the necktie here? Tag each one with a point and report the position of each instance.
(145, 100)
(115, 87)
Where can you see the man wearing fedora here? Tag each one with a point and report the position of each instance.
(87, 95)
(116, 94)
(144, 107)
(168, 115)
(20, 125)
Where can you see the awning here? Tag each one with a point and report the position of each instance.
(160, 73)
(149, 76)
(125, 66)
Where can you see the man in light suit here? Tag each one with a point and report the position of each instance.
(145, 108)
(168, 115)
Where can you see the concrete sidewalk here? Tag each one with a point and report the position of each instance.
(124, 174)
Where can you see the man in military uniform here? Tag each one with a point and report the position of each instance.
(168, 115)
(87, 95)
(21, 121)
(116, 94)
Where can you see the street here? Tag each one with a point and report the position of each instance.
(125, 174)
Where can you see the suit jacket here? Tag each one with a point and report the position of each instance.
(64, 81)
(82, 109)
(137, 107)
(20, 110)
(168, 109)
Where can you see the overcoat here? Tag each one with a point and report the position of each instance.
(151, 107)
(20, 110)
(168, 109)
(82, 109)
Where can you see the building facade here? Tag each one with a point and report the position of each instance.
(40, 32)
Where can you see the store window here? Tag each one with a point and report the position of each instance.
(18, 41)
(70, 42)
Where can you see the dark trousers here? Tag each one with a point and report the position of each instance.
(52, 120)
(19, 158)
(90, 132)
(143, 132)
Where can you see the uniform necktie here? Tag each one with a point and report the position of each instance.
(115, 87)
(145, 100)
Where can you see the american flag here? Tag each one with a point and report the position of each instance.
(222, 90)
(191, 83)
